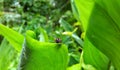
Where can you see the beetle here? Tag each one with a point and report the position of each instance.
(58, 40)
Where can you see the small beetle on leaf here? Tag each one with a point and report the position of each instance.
(58, 40)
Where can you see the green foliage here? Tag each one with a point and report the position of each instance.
(91, 34)
(8, 56)
(31, 34)
(41, 16)
(43, 36)
(1, 5)
(43, 56)
(94, 57)
(74, 67)
(12, 36)
(70, 32)
(39, 50)
(101, 24)
(66, 25)
(108, 37)
(91, 55)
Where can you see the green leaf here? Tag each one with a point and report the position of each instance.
(1, 5)
(43, 56)
(31, 34)
(91, 55)
(83, 9)
(85, 66)
(78, 39)
(66, 25)
(94, 57)
(43, 35)
(104, 29)
(12, 36)
(7, 56)
(74, 67)
(75, 10)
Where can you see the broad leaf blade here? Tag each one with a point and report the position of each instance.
(7, 56)
(94, 57)
(104, 31)
(12, 36)
(91, 54)
(83, 9)
(43, 56)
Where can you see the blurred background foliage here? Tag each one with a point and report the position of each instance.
(50, 18)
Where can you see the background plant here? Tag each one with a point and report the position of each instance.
(48, 19)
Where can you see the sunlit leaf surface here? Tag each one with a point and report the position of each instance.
(12, 36)
(43, 56)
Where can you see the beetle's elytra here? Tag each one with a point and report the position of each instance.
(58, 40)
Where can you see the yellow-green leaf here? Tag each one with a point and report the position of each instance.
(43, 55)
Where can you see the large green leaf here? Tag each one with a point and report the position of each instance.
(91, 54)
(94, 57)
(12, 36)
(104, 29)
(43, 56)
(7, 56)
(82, 9)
